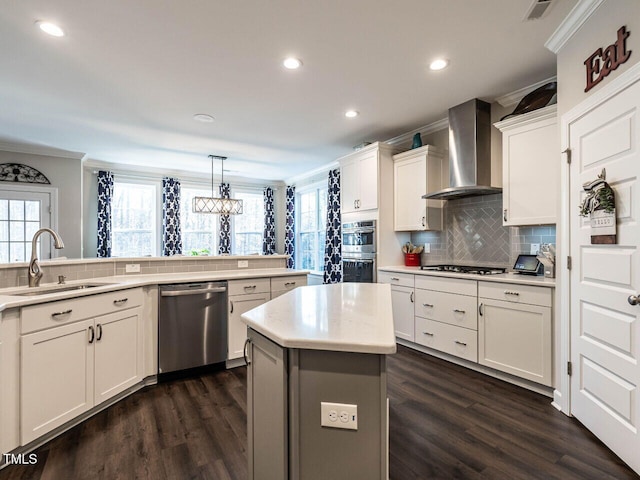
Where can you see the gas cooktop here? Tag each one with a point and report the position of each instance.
(478, 270)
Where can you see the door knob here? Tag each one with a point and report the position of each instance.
(633, 299)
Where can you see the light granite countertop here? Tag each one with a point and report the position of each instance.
(510, 277)
(346, 317)
(10, 299)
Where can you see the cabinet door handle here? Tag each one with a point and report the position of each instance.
(424, 221)
(99, 337)
(58, 314)
(504, 215)
(430, 305)
(231, 304)
(354, 205)
(92, 334)
(458, 311)
(122, 301)
(428, 333)
(395, 279)
(481, 309)
(411, 297)
(509, 292)
(250, 287)
(244, 351)
(288, 284)
(460, 343)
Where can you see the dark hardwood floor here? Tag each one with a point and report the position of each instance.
(446, 422)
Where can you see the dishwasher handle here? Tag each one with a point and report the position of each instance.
(199, 291)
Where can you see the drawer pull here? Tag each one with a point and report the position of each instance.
(395, 279)
(509, 292)
(66, 312)
(430, 305)
(250, 287)
(288, 284)
(122, 301)
(459, 311)
(460, 343)
(428, 333)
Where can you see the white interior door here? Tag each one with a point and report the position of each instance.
(605, 336)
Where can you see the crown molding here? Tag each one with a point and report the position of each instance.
(550, 111)
(511, 99)
(151, 173)
(424, 130)
(33, 149)
(311, 173)
(571, 24)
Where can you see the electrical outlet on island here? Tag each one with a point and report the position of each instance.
(243, 263)
(132, 268)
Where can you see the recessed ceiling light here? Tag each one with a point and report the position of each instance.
(292, 63)
(50, 28)
(439, 64)
(351, 113)
(203, 117)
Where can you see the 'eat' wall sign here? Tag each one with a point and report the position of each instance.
(602, 63)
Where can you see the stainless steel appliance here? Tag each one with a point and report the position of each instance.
(478, 270)
(469, 152)
(192, 331)
(359, 252)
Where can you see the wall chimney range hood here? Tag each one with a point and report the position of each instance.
(469, 152)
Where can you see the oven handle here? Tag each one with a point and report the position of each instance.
(361, 260)
(357, 230)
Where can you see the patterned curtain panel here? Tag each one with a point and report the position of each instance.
(105, 195)
(269, 237)
(333, 243)
(290, 228)
(225, 224)
(171, 232)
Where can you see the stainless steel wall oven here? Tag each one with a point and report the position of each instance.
(359, 252)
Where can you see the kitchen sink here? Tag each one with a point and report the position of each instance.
(61, 288)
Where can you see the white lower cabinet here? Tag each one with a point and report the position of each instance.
(515, 330)
(69, 369)
(458, 341)
(446, 316)
(402, 302)
(243, 296)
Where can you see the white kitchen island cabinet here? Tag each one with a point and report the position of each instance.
(314, 345)
(530, 158)
(415, 173)
(76, 354)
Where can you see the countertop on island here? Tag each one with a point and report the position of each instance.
(509, 277)
(346, 317)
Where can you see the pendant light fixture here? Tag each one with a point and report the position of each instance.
(217, 205)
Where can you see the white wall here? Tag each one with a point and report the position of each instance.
(65, 174)
(598, 32)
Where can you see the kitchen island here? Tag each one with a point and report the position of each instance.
(315, 345)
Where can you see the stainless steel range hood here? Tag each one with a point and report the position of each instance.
(469, 152)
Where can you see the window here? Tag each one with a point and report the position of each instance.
(248, 228)
(134, 220)
(23, 211)
(311, 213)
(199, 231)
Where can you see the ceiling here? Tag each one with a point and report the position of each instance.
(124, 82)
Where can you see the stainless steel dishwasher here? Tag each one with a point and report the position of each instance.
(192, 331)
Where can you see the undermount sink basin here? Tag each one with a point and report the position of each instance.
(62, 288)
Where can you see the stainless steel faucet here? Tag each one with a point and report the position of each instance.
(35, 273)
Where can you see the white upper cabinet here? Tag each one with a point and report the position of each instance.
(530, 167)
(359, 180)
(416, 173)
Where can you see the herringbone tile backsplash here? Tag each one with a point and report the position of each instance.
(474, 235)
